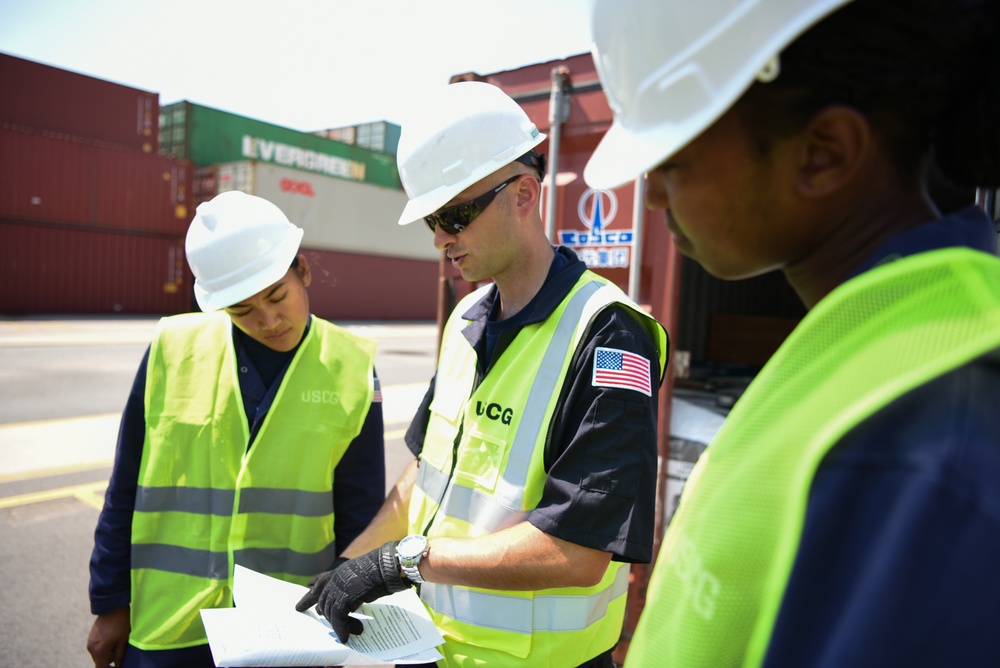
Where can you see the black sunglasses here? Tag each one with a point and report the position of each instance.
(456, 218)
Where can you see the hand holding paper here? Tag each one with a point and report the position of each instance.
(339, 592)
(264, 629)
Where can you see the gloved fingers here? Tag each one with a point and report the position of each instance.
(316, 585)
(337, 613)
(354, 582)
(347, 626)
(341, 627)
(332, 605)
(308, 600)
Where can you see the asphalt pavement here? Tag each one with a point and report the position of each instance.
(53, 446)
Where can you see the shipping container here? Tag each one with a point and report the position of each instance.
(51, 178)
(377, 135)
(207, 136)
(348, 286)
(205, 185)
(64, 269)
(345, 134)
(334, 214)
(42, 97)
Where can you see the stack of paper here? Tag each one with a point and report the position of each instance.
(264, 629)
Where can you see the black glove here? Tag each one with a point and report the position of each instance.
(340, 591)
(316, 585)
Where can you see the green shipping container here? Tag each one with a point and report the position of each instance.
(381, 136)
(209, 136)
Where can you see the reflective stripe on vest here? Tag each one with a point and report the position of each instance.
(524, 615)
(495, 476)
(723, 569)
(220, 501)
(205, 502)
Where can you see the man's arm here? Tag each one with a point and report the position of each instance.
(391, 520)
(520, 558)
(600, 491)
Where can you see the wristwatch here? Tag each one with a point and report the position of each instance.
(409, 551)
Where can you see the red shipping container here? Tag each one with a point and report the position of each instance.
(48, 98)
(352, 286)
(56, 179)
(51, 269)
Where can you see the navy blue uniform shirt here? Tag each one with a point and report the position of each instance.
(898, 561)
(601, 457)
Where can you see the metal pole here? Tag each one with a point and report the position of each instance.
(638, 221)
(558, 114)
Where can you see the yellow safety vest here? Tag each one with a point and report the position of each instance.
(495, 476)
(724, 565)
(205, 502)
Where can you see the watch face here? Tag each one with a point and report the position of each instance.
(411, 547)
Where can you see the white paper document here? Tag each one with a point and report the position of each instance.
(264, 629)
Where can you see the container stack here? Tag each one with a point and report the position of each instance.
(92, 218)
(380, 136)
(345, 196)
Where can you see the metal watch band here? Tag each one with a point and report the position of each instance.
(413, 573)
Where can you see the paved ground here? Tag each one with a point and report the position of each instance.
(53, 446)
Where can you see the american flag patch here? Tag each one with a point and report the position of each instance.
(619, 368)
(377, 397)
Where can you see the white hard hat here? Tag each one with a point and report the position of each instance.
(237, 245)
(671, 68)
(456, 137)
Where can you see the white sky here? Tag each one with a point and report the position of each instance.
(303, 64)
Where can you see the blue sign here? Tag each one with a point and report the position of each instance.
(595, 245)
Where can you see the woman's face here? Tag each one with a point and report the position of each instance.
(277, 316)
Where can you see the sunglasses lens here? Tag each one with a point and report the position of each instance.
(453, 220)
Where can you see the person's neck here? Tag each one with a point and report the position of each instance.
(519, 285)
(856, 235)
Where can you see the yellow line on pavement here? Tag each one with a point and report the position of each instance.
(61, 470)
(84, 493)
(47, 421)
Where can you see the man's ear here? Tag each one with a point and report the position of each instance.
(835, 144)
(529, 192)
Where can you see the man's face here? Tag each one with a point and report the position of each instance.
(487, 248)
(277, 315)
(727, 208)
